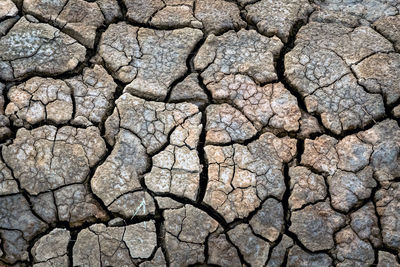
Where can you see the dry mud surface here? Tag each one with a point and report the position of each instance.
(199, 133)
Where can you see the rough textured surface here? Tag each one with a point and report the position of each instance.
(45, 50)
(199, 133)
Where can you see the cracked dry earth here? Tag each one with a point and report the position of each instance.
(200, 133)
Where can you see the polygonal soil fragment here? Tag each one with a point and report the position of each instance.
(299, 258)
(306, 187)
(278, 17)
(73, 204)
(189, 90)
(214, 16)
(351, 250)
(46, 99)
(8, 185)
(150, 60)
(177, 168)
(218, 16)
(348, 189)
(271, 104)
(40, 99)
(241, 177)
(46, 158)
(221, 252)
(37, 48)
(380, 73)
(18, 226)
(138, 128)
(389, 27)
(142, 10)
(93, 93)
(385, 139)
(315, 224)
(185, 236)
(268, 222)
(119, 174)
(243, 52)
(133, 204)
(51, 249)
(364, 223)
(279, 252)
(129, 245)
(318, 68)
(78, 18)
(8, 16)
(7, 9)
(150, 121)
(225, 124)
(320, 154)
(388, 207)
(254, 249)
(361, 10)
(387, 260)
(173, 14)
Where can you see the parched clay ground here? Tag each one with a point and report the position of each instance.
(200, 133)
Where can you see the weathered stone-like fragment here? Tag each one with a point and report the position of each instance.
(225, 124)
(300, 258)
(306, 187)
(51, 249)
(76, 205)
(47, 158)
(268, 221)
(315, 224)
(189, 90)
(385, 139)
(120, 172)
(365, 224)
(388, 207)
(150, 121)
(218, 16)
(319, 69)
(78, 18)
(150, 60)
(278, 253)
(351, 250)
(278, 17)
(241, 177)
(254, 249)
(271, 104)
(380, 73)
(93, 93)
(243, 52)
(387, 260)
(40, 100)
(43, 49)
(99, 245)
(177, 168)
(389, 27)
(185, 236)
(320, 154)
(18, 226)
(221, 252)
(349, 189)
